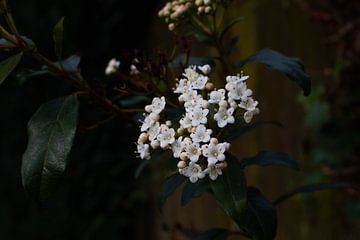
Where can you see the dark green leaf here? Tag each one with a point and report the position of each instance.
(232, 45)
(260, 220)
(69, 64)
(58, 37)
(180, 60)
(212, 234)
(316, 187)
(169, 187)
(8, 65)
(269, 158)
(229, 190)
(292, 67)
(51, 133)
(193, 190)
(203, 38)
(229, 26)
(239, 131)
(141, 167)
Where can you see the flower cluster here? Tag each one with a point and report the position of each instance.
(175, 10)
(191, 140)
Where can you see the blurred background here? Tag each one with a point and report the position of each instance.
(99, 197)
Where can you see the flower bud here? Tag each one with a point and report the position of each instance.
(205, 104)
(209, 86)
(199, 2)
(171, 26)
(143, 137)
(180, 131)
(183, 156)
(207, 9)
(181, 164)
(148, 108)
(168, 123)
(214, 141)
(207, 2)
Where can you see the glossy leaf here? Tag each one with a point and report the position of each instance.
(193, 190)
(229, 26)
(292, 67)
(229, 190)
(269, 158)
(58, 35)
(315, 188)
(8, 65)
(51, 134)
(233, 134)
(212, 234)
(260, 220)
(169, 187)
(141, 167)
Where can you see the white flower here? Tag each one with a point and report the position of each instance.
(166, 136)
(238, 90)
(154, 131)
(191, 74)
(157, 105)
(193, 172)
(224, 116)
(183, 86)
(248, 115)
(185, 122)
(217, 96)
(198, 116)
(201, 134)
(199, 83)
(214, 152)
(143, 150)
(236, 79)
(148, 122)
(206, 69)
(193, 151)
(177, 147)
(112, 66)
(214, 170)
(188, 96)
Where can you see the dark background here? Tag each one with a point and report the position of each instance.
(99, 197)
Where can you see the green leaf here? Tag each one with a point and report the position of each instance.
(180, 59)
(229, 26)
(51, 134)
(269, 158)
(233, 134)
(315, 188)
(292, 67)
(203, 38)
(141, 167)
(58, 36)
(169, 187)
(212, 234)
(70, 64)
(260, 220)
(193, 190)
(8, 65)
(229, 190)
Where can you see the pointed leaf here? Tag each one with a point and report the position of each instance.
(193, 190)
(58, 36)
(292, 67)
(269, 158)
(315, 188)
(233, 134)
(8, 65)
(229, 26)
(213, 234)
(260, 220)
(51, 133)
(229, 190)
(169, 187)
